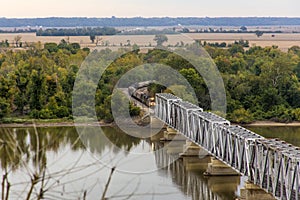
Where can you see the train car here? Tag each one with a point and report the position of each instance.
(139, 92)
(141, 96)
(131, 90)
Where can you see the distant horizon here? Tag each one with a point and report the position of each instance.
(147, 17)
(148, 21)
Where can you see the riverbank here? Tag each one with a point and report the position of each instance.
(270, 123)
(57, 124)
(70, 123)
(24, 122)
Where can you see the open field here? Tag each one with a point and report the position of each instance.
(283, 40)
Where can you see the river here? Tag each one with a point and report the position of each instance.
(58, 164)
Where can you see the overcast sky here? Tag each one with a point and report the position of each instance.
(148, 8)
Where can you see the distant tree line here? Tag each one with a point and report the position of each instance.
(149, 32)
(243, 43)
(221, 30)
(18, 30)
(142, 22)
(77, 31)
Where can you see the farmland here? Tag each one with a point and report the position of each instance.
(282, 40)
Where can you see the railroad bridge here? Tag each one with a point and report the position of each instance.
(271, 164)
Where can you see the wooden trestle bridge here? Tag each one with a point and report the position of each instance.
(271, 164)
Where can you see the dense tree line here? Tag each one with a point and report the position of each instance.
(77, 31)
(261, 83)
(243, 43)
(167, 31)
(20, 30)
(38, 81)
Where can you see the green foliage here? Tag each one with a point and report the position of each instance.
(4, 43)
(261, 83)
(4, 107)
(241, 116)
(38, 82)
(160, 39)
(77, 31)
(46, 114)
(134, 110)
(51, 47)
(236, 48)
(296, 113)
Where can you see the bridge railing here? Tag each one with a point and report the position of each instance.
(273, 165)
(163, 104)
(277, 168)
(181, 111)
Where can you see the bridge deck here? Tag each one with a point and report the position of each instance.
(274, 165)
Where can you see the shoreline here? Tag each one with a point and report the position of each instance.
(103, 124)
(53, 124)
(271, 124)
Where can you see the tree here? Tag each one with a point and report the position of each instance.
(51, 47)
(243, 28)
(4, 107)
(160, 39)
(92, 38)
(259, 33)
(236, 48)
(241, 116)
(17, 40)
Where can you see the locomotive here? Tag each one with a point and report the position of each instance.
(140, 92)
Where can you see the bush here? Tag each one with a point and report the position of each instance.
(61, 112)
(51, 47)
(46, 114)
(134, 110)
(34, 114)
(241, 116)
(296, 114)
(4, 107)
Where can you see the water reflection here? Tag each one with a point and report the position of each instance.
(35, 161)
(188, 174)
(53, 163)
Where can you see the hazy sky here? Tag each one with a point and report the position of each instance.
(148, 8)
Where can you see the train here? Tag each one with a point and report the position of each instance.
(140, 92)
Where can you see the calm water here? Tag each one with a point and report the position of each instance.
(288, 134)
(64, 166)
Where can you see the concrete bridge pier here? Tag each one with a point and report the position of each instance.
(174, 147)
(172, 135)
(195, 163)
(191, 149)
(218, 168)
(220, 184)
(254, 192)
